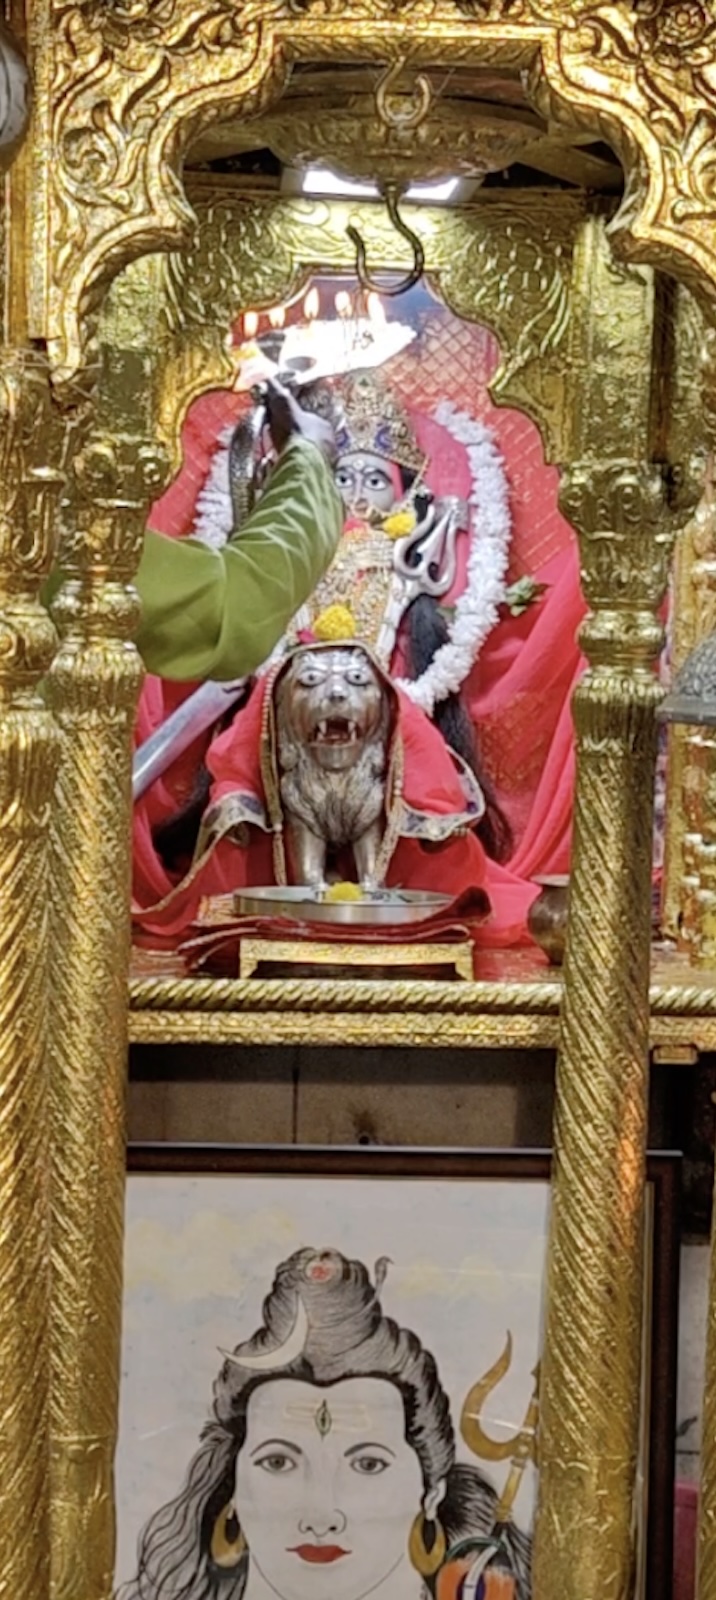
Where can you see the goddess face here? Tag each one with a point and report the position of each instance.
(327, 1489)
(365, 482)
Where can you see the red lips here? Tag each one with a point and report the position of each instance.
(319, 1555)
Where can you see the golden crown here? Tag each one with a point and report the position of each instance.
(374, 420)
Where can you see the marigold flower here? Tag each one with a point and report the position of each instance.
(337, 622)
(399, 524)
(339, 892)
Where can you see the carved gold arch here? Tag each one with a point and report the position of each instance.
(135, 82)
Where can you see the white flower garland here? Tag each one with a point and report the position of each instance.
(214, 514)
(476, 611)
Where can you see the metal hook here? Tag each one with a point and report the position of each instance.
(390, 194)
(396, 117)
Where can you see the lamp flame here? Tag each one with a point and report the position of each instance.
(311, 305)
(251, 324)
(277, 316)
(376, 310)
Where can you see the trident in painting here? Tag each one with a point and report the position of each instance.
(481, 1567)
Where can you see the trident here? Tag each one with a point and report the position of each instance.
(520, 1449)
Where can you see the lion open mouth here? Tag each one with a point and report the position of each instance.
(336, 730)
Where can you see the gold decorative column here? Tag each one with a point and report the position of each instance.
(590, 1377)
(30, 452)
(94, 686)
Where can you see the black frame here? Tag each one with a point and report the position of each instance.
(664, 1177)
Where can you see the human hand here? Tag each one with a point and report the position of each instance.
(287, 418)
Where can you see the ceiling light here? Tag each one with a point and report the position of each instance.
(319, 181)
(433, 191)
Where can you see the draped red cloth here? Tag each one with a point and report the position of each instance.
(430, 784)
(520, 688)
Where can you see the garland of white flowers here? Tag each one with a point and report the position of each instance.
(476, 611)
(214, 515)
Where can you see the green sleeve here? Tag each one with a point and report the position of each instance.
(219, 613)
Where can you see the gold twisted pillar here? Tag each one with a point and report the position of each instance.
(29, 481)
(589, 1418)
(94, 685)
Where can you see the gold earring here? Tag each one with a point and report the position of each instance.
(228, 1544)
(427, 1559)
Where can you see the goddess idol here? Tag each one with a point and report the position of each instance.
(410, 599)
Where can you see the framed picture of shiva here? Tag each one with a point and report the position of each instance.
(330, 1374)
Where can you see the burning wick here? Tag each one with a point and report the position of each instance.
(344, 307)
(251, 324)
(311, 305)
(277, 317)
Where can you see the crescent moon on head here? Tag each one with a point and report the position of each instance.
(282, 1355)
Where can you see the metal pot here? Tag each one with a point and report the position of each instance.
(547, 917)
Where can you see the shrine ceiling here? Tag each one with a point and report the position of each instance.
(481, 126)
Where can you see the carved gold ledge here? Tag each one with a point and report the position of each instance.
(518, 1010)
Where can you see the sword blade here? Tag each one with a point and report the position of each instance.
(197, 713)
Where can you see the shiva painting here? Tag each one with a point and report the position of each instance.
(329, 1387)
(433, 661)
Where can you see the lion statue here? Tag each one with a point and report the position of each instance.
(333, 726)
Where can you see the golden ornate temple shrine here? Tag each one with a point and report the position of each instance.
(385, 757)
